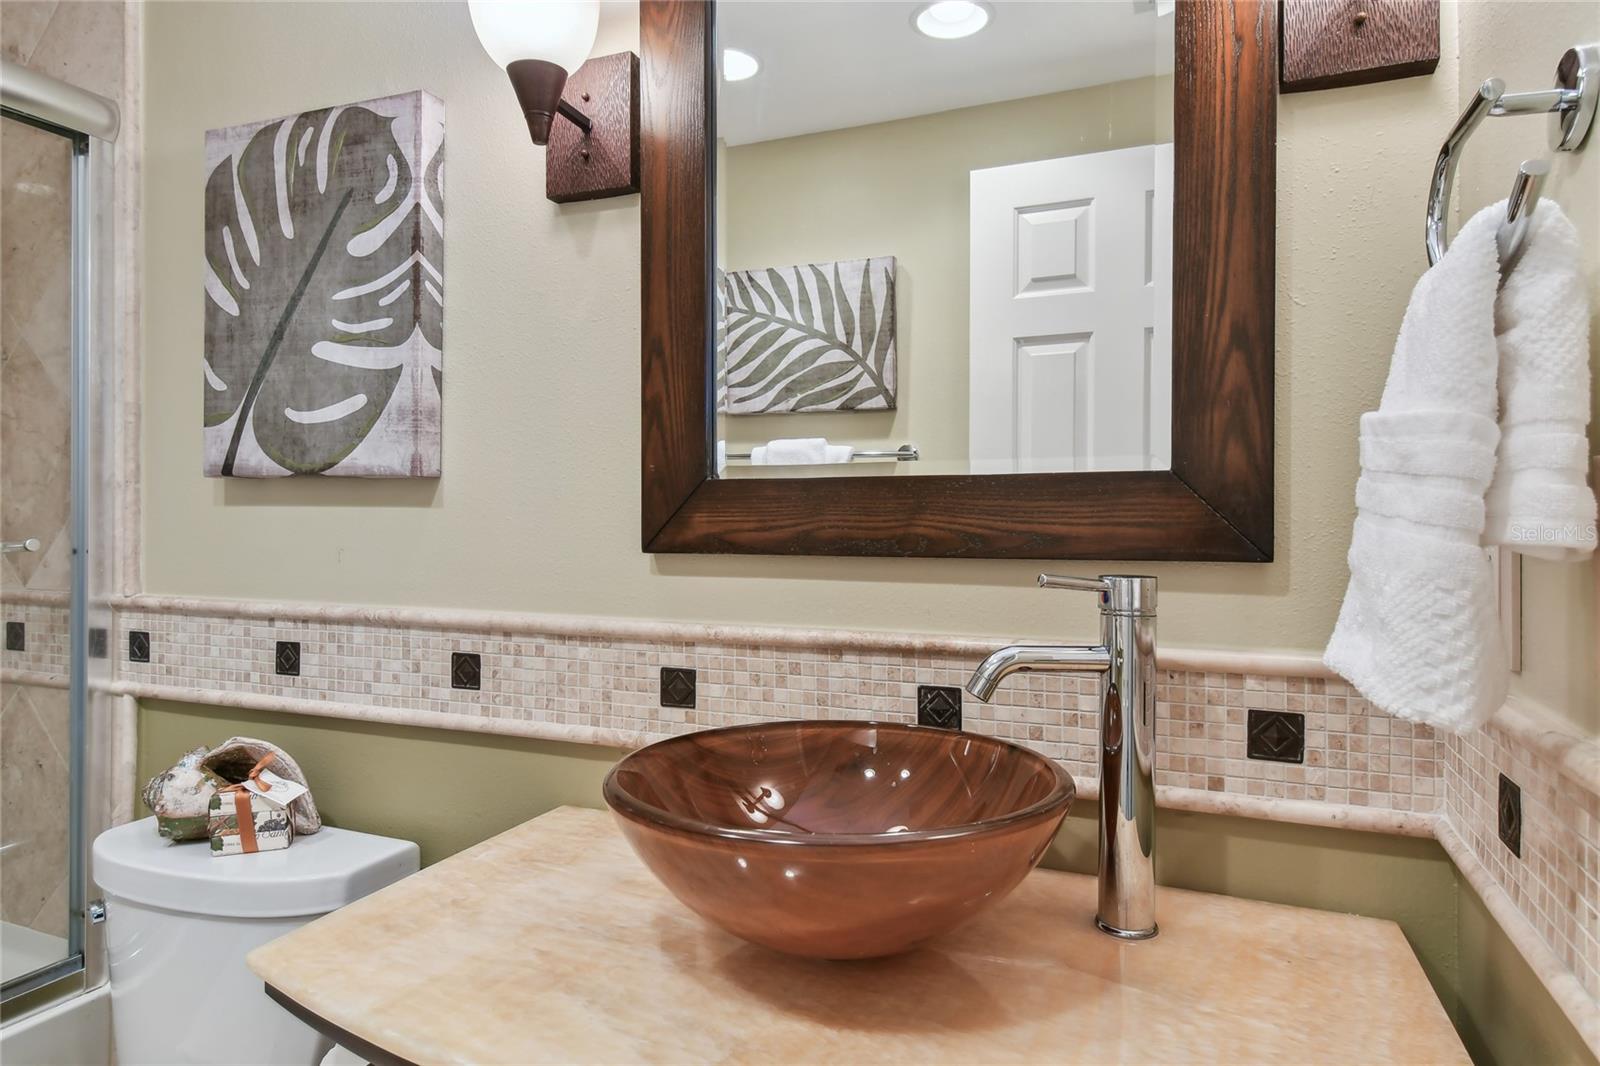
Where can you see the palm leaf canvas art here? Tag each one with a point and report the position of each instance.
(818, 337)
(324, 292)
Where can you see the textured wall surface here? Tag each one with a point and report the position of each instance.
(539, 509)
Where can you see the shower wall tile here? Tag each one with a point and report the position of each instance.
(48, 649)
(79, 41)
(23, 25)
(35, 356)
(34, 805)
(83, 43)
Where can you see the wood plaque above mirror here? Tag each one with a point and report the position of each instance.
(1197, 481)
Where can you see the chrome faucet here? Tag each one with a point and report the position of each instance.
(1126, 660)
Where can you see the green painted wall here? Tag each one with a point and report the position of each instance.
(448, 790)
(442, 788)
(1509, 1017)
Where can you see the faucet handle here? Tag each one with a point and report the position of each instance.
(1081, 584)
(1119, 593)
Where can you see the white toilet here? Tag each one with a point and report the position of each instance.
(179, 922)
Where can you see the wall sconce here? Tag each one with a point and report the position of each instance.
(586, 114)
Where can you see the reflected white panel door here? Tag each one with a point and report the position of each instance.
(1071, 313)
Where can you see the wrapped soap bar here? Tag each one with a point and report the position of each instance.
(243, 821)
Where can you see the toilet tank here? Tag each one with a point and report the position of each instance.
(179, 922)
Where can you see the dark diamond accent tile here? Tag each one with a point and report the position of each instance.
(1511, 815)
(287, 660)
(1276, 736)
(16, 636)
(677, 687)
(98, 639)
(939, 706)
(466, 669)
(138, 646)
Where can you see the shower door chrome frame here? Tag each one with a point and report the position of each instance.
(90, 124)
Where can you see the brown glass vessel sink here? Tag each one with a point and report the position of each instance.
(838, 840)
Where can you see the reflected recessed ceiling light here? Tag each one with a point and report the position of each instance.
(949, 19)
(737, 65)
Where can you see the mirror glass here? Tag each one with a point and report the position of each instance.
(943, 237)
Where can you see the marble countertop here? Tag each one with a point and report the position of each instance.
(552, 942)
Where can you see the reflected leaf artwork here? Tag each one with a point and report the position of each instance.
(818, 337)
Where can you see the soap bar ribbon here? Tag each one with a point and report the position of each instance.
(241, 802)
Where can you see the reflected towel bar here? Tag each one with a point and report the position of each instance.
(906, 453)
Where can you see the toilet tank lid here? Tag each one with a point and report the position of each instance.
(314, 875)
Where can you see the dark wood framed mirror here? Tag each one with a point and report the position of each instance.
(1215, 502)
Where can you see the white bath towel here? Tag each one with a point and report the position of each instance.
(840, 453)
(1540, 503)
(800, 451)
(1418, 633)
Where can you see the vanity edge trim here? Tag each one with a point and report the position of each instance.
(1581, 1009)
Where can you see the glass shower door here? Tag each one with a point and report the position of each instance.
(38, 801)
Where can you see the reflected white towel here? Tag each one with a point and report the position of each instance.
(1418, 633)
(1540, 503)
(800, 451)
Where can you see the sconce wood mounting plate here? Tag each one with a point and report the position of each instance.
(1333, 43)
(606, 162)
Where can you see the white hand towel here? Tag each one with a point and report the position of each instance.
(1540, 503)
(797, 451)
(840, 453)
(1418, 633)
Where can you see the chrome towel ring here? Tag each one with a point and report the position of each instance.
(1571, 106)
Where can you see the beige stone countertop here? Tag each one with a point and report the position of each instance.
(552, 943)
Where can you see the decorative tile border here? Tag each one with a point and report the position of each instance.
(604, 687)
(1581, 1009)
(1555, 882)
(47, 650)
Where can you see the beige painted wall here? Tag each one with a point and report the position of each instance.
(1520, 44)
(538, 506)
(902, 188)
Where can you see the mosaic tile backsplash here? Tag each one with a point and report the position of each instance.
(44, 634)
(1353, 755)
(1555, 882)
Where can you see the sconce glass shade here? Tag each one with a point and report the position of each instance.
(561, 32)
(539, 43)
